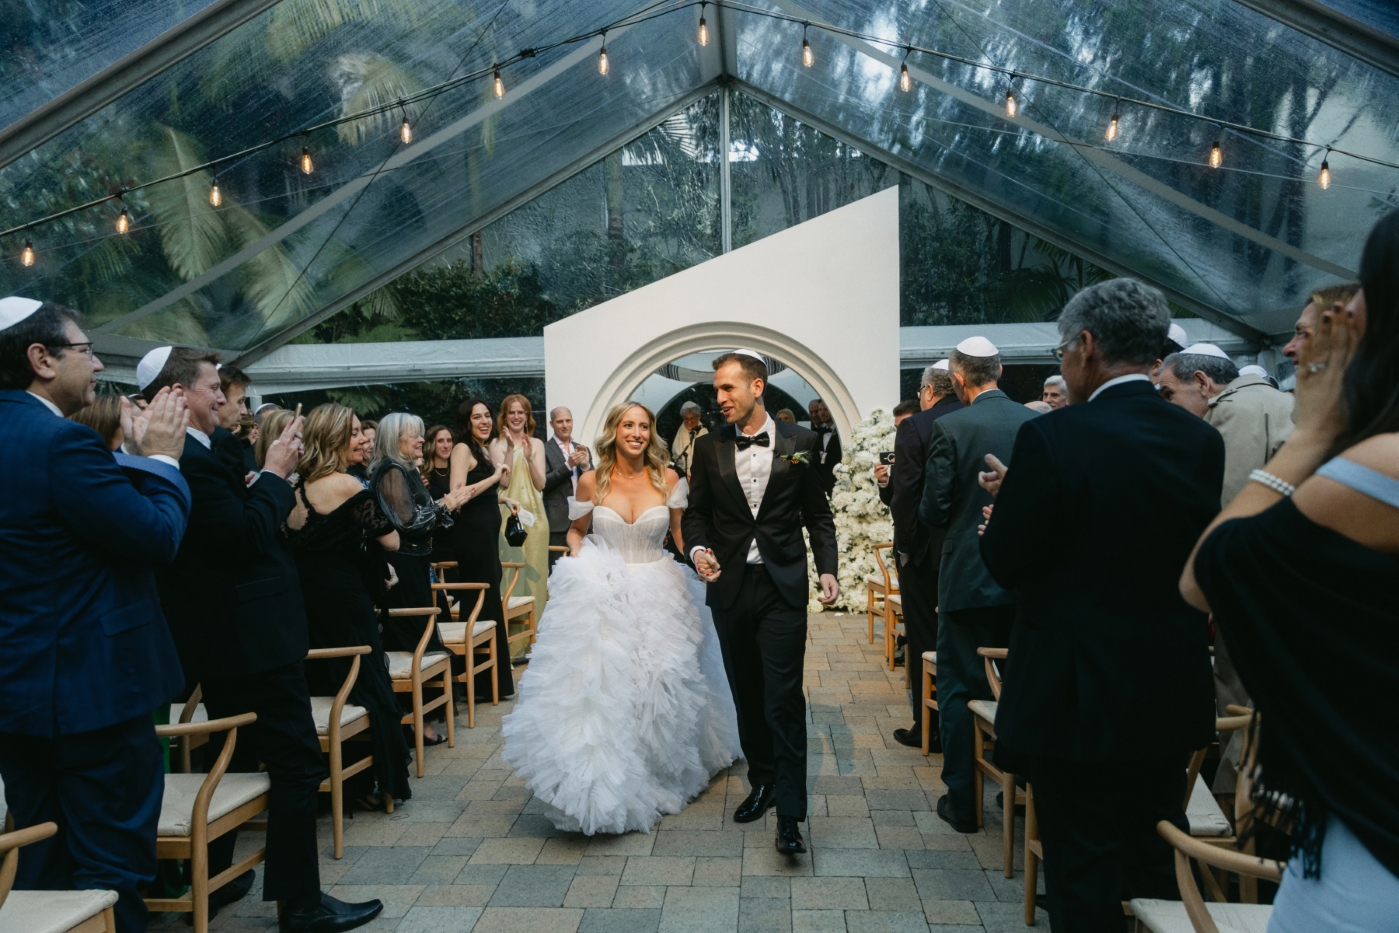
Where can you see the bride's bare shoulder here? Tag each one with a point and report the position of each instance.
(587, 486)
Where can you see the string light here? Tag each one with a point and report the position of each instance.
(704, 29)
(807, 58)
(306, 164)
(1216, 155)
(215, 198)
(1324, 179)
(499, 83)
(1012, 108)
(602, 66)
(123, 222)
(1111, 134)
(905, 81)
(26, 256)
(405, 132)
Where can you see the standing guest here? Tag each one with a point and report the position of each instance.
(233, 383)
(1039, 408)
(564, 461)
(1176, 341)
(233, 600)
(974, 611)
(369, 428)
(1299, 572)
(1253, 369)
(1334, 298)
(523, 454)
(1195, 375)
(87, 654)
(1056, 393)
(1107, 685)
(917, 546)
(828, 451)
(363, 450)
(682, 449)
(105, 416)
(787, 416)
(439, 444)
(334, 517)
(273, 425)
(902, 412)
(476, 531)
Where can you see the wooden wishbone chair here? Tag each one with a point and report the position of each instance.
(984, 736)
(411, 672)
(57, 911)
(336, 723)
(517, 607)
(191, 710)
(470, 639)
(878, 585)
(1166, 916)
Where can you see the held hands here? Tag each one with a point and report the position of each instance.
(160, 429)
(830, 589)
(285, 451)
(707, 565)
(992, 479)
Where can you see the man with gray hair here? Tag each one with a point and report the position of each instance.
(682, 450)
(1107, 683)
(1056, 392)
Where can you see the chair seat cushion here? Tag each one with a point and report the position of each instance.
(401, 662)
(1170, 916)
(454, 633)
(896, 601)
(177, 807)
(877, 579)
(983, 709)
(1203, 813)
(931, 656)
(200, 713)
(320, 713)
(51, 911)
(520, 602)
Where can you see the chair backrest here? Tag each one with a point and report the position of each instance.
(1214, 856)
(480, 588)
(352, 652)
(993, 673)
(430, 612)
(9, 849)
(192, 704)
(516, 566)
(879, 550)
(229, 724)
(1197, 758)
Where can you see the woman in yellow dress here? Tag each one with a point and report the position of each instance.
(523, 456)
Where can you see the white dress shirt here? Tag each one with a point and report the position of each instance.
(753, 468)
(1117, 381)
(568, 447)
(201, 437)
(170, 461)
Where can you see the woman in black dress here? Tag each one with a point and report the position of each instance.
(335, 517)
(438, 470)
(476, 533)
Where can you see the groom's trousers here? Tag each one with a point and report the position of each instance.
(763, 638)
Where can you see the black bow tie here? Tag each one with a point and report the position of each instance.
(820, 429)
(744, 441)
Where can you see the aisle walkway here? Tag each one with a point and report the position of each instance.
(471, 851)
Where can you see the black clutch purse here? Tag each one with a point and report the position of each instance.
(515, 533)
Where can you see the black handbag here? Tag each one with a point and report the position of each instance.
(515, 533)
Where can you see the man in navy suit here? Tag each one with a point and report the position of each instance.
(87, 655)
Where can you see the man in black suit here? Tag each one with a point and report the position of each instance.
(753, 486)
(828, 444)
(973, 610)
(1107, 685)
(233, 600)
(918, 547)
(564, 461)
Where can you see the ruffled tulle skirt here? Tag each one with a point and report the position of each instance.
(625, 712)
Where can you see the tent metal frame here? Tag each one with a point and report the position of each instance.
(1362, 42)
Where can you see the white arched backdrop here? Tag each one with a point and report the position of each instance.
(821, 297)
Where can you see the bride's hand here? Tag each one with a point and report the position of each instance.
(707, 566)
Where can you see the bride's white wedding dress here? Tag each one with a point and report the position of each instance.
(625, 713)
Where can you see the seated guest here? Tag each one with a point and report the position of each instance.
(233, 600)
(1299, 572)
(682, 449)
(564, 461)
(87, 654)
(1056, 393)
(1107, 685)
(105, 417)
(334, 517)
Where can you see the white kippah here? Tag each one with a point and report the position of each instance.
(977, 346)
(1206, 349)
(1177, 335)
(1253, 369)
(753, 353)
(15, 309)
(150, 366)
(941, 365)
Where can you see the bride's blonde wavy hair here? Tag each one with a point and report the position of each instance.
(656, 457)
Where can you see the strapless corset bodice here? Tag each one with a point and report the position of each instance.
(639, 542)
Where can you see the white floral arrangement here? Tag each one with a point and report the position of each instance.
(861, 520)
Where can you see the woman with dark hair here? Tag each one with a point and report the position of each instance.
(437, 470)
(1299, 572)
(476, 531)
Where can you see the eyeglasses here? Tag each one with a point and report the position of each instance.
(1059, 350)
(84, 348)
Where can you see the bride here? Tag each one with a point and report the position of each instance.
(624, 714)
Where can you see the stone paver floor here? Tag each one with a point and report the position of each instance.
(472, 850)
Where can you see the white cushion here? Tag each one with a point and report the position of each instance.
(401, 662)
(177, 807)
(1170, 916)
(320, 713)
(930, 656)
(51, 911)
(454, 633)
(877, 579)
(519, 602)
(1203, 813)
(895, 600)
(983, 709)
(200, 713)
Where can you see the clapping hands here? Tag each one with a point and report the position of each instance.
(160, 429)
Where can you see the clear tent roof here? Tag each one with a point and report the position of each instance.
(1247, 241)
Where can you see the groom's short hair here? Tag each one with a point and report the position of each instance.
(752, 367)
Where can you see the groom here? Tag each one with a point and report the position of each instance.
(753, 485)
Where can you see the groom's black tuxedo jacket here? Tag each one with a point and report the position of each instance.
(719, 518)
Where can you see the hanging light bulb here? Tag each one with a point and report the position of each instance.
(27, 255)
(1012, 107)
(1324, 179)
(807, 58)
(905, 82)
(405, 132)
(704, 29)
(499, 84)
(1111, 134)
(215, 197)
(1216, 155)
(602, 65)
(123, 222)
(306, 164)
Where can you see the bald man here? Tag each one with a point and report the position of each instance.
(564, 462)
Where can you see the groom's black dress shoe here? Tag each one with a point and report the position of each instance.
(789, 836)
(328, 915)
(763, 798)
